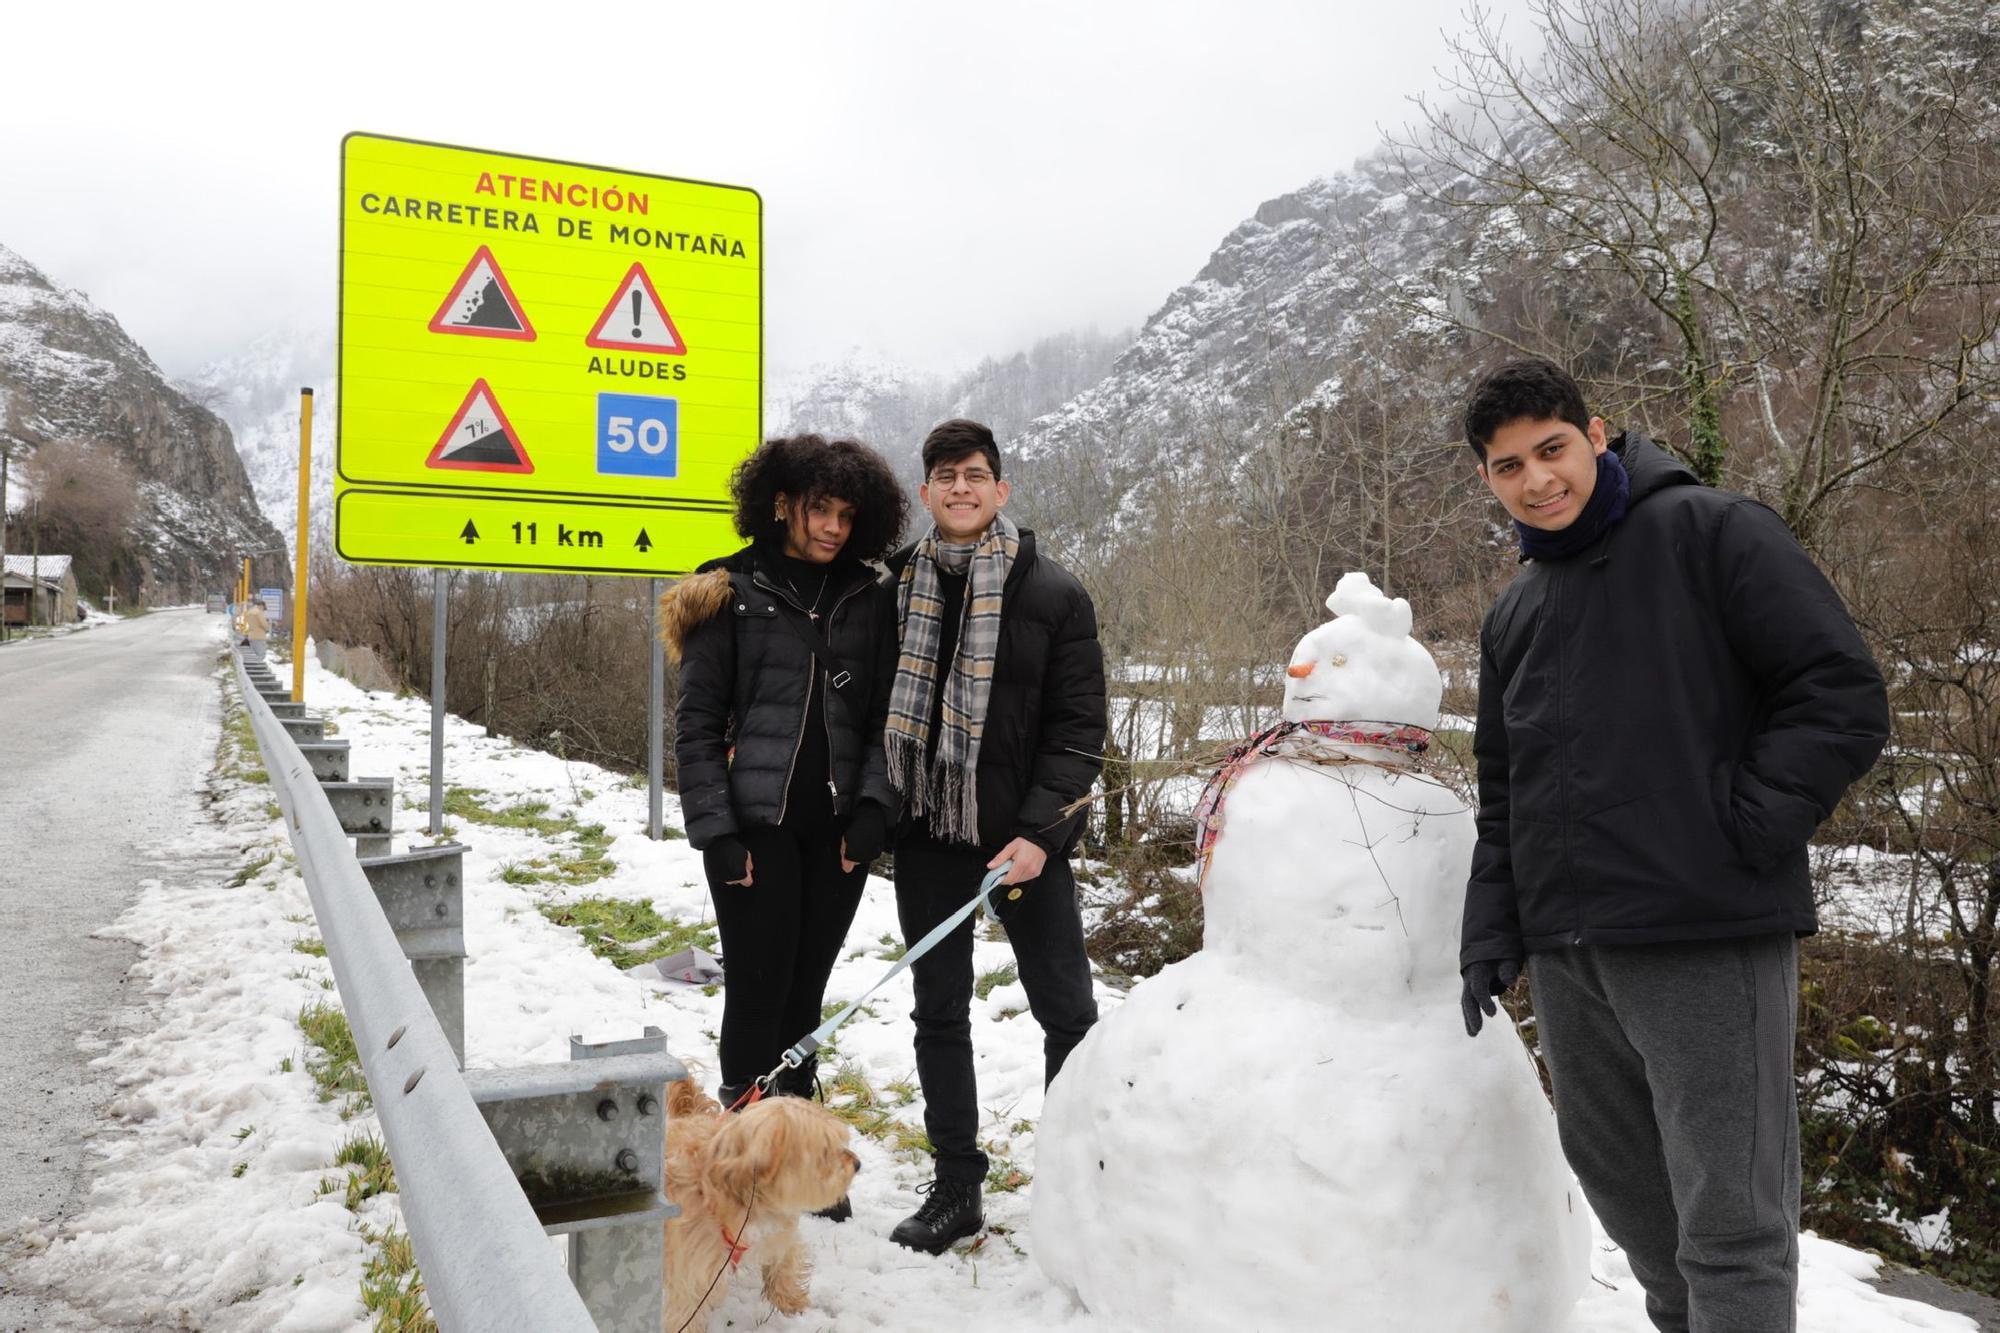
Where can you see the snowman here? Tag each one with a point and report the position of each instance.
(1290, 1130)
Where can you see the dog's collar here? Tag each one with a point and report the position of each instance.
(737, 1248)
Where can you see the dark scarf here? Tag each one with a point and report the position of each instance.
(1606, 505)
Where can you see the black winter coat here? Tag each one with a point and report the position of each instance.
(1043, 743)
(744, 676)
(1664, 720)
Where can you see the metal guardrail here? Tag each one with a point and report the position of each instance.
(479, 1239)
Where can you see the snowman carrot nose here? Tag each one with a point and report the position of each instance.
(1299, 670)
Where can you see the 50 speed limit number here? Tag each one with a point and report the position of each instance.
(638, 435)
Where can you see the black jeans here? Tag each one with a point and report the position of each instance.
(781, 934)
(932, 882)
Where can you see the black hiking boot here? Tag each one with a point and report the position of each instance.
(950, 1212)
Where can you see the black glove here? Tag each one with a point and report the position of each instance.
(866, 833)
(1483, 981)
(726, 859)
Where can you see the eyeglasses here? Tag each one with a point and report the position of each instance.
(974, 477)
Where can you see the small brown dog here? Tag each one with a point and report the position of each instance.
(742, 1181)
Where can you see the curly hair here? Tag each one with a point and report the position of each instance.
(805, 468)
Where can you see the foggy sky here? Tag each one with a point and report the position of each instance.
(940, 182)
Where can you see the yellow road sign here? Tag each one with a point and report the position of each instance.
(543, 364)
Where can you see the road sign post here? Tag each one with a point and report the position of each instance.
(305, 527)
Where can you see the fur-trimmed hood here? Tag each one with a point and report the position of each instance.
(703, 594)
(689, 603)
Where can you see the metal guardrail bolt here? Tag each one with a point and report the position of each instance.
(628, 1161)
(607, 1109)
(415, 1079)
(397, 1036)
(649, 1105)
(440, 911)
(430, 881)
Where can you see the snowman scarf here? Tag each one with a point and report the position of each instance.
(947, 788)
(1310, 742)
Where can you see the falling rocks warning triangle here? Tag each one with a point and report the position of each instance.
(480, 438)
(482, 304)
(637, 320)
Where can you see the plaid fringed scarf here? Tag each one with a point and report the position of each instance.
(948, 792)
(1300, 742)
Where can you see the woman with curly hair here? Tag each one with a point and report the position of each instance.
(787, 651)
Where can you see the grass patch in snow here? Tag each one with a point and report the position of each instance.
(464, 802)
(306, 944)
(627, 933)
(332, 1060)
(391, 1288)
(249, 870)
(853, 1098)
(372, 1173)
(892, 949)
(999, 976)
(1005, 1178)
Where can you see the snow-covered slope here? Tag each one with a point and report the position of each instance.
(257, 392)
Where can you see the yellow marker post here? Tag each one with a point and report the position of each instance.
(305, 527)
(544, 365)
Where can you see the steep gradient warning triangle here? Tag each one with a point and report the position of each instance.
(637, 320)
(482, 304)
(480, 438)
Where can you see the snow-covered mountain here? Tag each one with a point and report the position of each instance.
(1367, 284)
(892, 407)
(69, 372)
(256, 391)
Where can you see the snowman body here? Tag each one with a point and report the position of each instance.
(1290, 1129)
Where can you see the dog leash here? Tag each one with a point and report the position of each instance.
(804, 1048)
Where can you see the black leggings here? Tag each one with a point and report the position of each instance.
(781, 935)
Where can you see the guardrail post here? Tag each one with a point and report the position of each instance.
(587, 1140)
(365, 808)
(328, 759)
(422, 892)
(303, 728)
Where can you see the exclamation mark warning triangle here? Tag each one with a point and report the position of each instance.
(637, 320)
(480, 438)
(482, 304)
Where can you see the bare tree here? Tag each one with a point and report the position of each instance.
(1819, 241)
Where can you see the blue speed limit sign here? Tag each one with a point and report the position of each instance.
(638, 435)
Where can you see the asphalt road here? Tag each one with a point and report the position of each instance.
(105, 739)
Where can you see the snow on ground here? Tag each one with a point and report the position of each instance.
(207, 1207)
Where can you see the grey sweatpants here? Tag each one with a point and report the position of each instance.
(1675, 1104)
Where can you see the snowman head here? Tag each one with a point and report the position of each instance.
(1363, 666)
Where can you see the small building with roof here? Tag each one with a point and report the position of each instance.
(40, 590)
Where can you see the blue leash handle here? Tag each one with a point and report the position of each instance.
(819, 1036)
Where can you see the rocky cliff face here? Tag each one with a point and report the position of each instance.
(69, 372)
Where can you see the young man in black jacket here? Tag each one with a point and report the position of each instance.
(1671, 699)
(996, 725)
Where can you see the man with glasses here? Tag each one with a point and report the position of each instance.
(996, 727)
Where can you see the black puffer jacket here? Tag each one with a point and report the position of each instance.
(744, 680)
(1664, 720)
(1043, 743)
